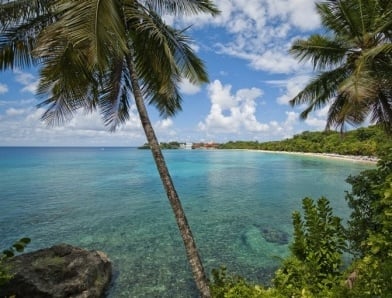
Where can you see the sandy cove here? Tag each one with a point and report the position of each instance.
(353, 158)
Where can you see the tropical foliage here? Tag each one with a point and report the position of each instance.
(370, 229)
(163, 145)
(227, 285)
(370, 141)
(317, 249)
(353, 60)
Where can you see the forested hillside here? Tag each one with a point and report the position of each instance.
(368, 141)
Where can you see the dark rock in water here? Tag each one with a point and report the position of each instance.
(59, 271)
(274, 235)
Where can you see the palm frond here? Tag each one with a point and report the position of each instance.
(343, 18)
(18, 11)
(182, 7)
(361, 85)
(65, 82)
(322, 51)
(96, 26)
(22, 22)
(381, 112)
(189, 64)
(162, 56)
(342, 111)
(114, 94)
(320, 89)
(382, 51)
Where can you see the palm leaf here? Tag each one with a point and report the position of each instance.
(381, 112)
(181, 7)
(21, 23)
(96, 26)
(114, 94)
(320, 89)
(322, 51)
(66, 81)
(161, 67)
(18, 11)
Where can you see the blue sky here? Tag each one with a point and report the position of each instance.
(252, 78)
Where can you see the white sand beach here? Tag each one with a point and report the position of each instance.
(353, 158)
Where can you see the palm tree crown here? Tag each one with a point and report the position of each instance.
(353, 61)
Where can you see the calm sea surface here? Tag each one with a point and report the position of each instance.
(238, 203)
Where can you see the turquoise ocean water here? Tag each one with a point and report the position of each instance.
(238, 203)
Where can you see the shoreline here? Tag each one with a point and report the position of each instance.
(352, 158)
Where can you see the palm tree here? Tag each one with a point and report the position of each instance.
(100, 55)
(353, 60)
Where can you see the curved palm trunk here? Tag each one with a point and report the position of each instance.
(186, 233)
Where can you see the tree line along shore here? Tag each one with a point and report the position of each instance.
(364, 144)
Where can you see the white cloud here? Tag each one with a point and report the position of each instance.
(15, 112)
(290, 88)
(323, 112)
(259, 30)
(3, 88)
(187, 87)
(303, 14)
(315, 123)
(284, 129)
(165, 130)
(164, 123)
(232, 113)
(274, 61)
(29, 81)
(22, 126)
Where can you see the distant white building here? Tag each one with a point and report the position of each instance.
(187, 146)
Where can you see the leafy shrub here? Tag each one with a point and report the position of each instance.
(374, 268)
(225, 285)
(315, 264)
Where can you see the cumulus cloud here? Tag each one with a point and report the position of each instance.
(3, 88)
(23, 126)
(258, 30)
(188, 88)
(317, 119)
(232, 113)
(289, 88)
(29, 81)
(315, 123)
(15, 112)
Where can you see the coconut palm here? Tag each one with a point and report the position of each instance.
(101, 55)
(353, 60)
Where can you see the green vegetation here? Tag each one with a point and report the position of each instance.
(17, 247)
(163, 145)
(314, 268)
(370, 141)
(316, 252)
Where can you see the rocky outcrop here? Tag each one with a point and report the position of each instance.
(59, 271)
